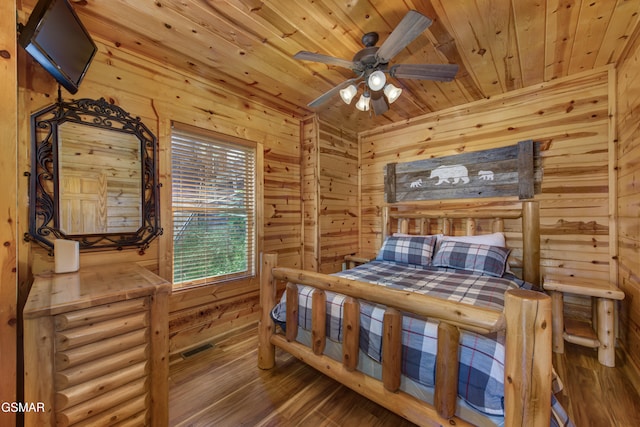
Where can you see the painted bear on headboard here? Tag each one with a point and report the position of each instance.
(445, 173)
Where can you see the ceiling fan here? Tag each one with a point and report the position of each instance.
(372, 63)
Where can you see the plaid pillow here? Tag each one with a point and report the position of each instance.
(417, 250)
(483, 259)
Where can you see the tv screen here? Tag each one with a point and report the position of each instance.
(55, 37)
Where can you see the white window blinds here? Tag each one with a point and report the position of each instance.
(213, 203)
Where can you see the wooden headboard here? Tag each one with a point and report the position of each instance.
(529, 214)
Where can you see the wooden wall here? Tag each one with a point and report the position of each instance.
(339, 208)
(9, 177)
(159, 95)
(310, 169)
(330, 165)
(571, 119)
(628, 201)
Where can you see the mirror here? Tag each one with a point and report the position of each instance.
(93, 177)
(99, 174)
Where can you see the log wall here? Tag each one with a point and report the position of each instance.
(339, 207)
(159, 95)
(310, 164)
(330, 167)
(628, 200)
(570, 118)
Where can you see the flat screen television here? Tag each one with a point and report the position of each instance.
(55, 37)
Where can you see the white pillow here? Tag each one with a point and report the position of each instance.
(493, 239)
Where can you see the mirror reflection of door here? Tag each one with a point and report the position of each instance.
(83, 202)
(99, 172)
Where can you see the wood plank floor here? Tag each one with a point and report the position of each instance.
(221, 386)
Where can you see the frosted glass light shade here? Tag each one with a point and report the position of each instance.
(348, 93)
(363, 102)
(392, 93)
(377, 80)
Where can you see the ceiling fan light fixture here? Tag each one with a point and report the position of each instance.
(364, 102)
(392, 93)
(372, 63)
(348, 93)
(376, 80)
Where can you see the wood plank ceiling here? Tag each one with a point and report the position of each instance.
(247, 45)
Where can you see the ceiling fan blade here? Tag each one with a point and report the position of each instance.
(411, 26)
(330, 93)
(438, 72)
(304, 55)
(379, 103)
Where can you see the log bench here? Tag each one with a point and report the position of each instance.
(601, 333)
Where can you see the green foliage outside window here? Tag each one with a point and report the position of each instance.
(228, 254)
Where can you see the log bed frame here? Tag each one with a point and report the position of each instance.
(526, 320)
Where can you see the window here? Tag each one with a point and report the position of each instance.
(213, 206)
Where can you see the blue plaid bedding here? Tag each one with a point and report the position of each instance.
(481, 357)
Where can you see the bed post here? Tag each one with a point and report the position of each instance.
(266, 328)
(386, 226)
(531, 242)
(527, 364)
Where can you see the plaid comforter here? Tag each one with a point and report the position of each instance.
(481, 357)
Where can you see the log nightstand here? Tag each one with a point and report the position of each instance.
(352, 261)
(601, 333)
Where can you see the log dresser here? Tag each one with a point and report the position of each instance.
(96, 347)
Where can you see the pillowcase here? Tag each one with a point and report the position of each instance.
(417, 250)
(493, 239)
(483, 259)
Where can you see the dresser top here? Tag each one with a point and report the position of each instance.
(53, 293)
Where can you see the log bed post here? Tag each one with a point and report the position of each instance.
(266, 328)
(386, 225)
(391, 349)
(527, 364)
(447, 367)
(292, 311)
(351, 334)
(318, 321)
(531, 242)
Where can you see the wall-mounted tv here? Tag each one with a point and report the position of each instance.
(55, 37)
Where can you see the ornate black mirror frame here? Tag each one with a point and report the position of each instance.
(44, 192)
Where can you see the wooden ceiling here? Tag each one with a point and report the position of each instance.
(247, 45)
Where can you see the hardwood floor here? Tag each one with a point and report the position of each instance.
(595, 395)
(221, 386)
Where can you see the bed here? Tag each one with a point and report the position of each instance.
(409, 329)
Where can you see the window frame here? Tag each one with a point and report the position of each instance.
(258, 208)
